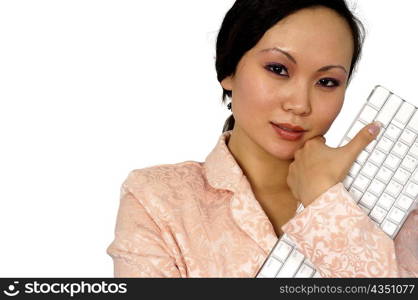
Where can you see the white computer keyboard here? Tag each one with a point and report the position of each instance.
(383, 180)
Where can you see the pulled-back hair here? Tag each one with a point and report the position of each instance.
(247, 21)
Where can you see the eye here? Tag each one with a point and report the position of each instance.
(325, 82)
(277, 69)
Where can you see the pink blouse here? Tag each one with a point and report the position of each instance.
(201, 219)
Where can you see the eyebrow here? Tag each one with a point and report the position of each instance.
(323, 69)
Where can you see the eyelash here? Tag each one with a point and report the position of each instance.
(334, 81)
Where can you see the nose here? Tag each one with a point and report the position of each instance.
(298, 101)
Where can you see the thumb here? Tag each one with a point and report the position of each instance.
(362, 139)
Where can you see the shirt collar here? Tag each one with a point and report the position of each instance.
(223, 172)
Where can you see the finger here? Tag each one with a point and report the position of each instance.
(318, 138)
(321, 139)
(362, 139)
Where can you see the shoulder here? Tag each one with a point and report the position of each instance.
(166, 183)
(161, 175)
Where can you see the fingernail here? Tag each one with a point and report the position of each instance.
(375, 127)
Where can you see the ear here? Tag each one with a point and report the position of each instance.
(227, 83)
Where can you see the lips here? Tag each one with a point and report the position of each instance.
(289, 127)
(288, 132)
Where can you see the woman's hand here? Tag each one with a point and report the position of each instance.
(317, 167)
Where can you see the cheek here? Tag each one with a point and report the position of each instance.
(326, 116)
(251, 96)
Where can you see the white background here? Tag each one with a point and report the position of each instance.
(90, 90)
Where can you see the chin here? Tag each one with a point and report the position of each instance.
(284, 152)
(290, 156)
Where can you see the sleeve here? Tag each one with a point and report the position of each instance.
(406, 245)
(340, 240)
(138, 249)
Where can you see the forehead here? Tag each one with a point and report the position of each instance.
(316, 32)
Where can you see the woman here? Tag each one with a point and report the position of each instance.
(286, 65)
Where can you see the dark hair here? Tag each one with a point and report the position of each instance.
(247, 21)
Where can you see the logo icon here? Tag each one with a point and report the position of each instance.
(11, 290)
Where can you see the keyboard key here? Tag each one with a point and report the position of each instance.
(409, 163)
(384, 175)
(414, 150)
(401, 176)
(371, 145)
(368, 114)
(376, 187)
(271, 267)
(386, 201)
(348, 181)
(400, 149)
(355, 129)
(396, 215)
(291, 265)
(368, 200)
(355, 169)
(392, 132)
(282, 250)
(408, 137)
(412, 190)
(394, 188)
(385, 145)
(415, 176)
(361, 159)
(308, 263)
(378, 98)
(404, 113)
(288, 240)
(389, 109)
(388, 227)
(364, 208)
(361, 183)
(355, 193)
(392, 162)
(344, 142)
(369, 170)
(305, 271)
(404, 202)
(300, 208)
(413, 123)
(381, 133)
(377, 157)
(378, 214)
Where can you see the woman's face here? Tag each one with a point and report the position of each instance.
(272, 86)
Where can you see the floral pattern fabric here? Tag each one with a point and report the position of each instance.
(201, 219)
